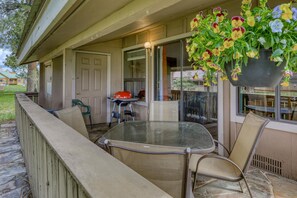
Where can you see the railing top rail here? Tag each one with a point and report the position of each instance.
(31, 93)
(98, 173)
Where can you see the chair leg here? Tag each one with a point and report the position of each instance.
(90, 118)
(240, 187)
(247, 186)
(194, 183)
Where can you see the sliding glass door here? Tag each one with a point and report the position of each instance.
(175, 79)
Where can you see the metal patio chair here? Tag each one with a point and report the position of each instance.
(72, 117)
(164, 111)
(236, 165)
(167, 168)
(85, 109)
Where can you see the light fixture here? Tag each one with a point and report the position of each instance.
(147, 45)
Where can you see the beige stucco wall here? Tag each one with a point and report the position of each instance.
(41, 95)
(57, 91)
(51, 72)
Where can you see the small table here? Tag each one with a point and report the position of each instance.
(122, 102)
(171, 134)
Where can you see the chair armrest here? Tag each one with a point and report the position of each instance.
(219, 143)
(87, 107)
(217, 157)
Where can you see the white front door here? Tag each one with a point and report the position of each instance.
(91, 84)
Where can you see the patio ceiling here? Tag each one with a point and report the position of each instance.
(84, 16)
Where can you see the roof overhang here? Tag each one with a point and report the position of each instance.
(69, 24)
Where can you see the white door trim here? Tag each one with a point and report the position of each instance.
(220, 112)
(108, 86)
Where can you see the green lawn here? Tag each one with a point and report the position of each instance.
(7, 108)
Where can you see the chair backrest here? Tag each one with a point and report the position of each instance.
(164, 167)
(72, 117)
(247, 140)
(77, 102)
(164, 111)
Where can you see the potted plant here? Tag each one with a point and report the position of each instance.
(262, 41)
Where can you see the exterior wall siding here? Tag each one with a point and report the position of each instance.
(57, 92)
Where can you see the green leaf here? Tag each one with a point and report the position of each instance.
(245, 60)
(277, 52)
(271, 40)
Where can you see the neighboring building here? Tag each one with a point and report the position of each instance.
(91, 49)
(8, 78)
(3, 80)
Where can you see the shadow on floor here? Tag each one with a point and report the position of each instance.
(98, 130)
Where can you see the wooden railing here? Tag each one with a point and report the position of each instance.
(63, 163)
(33, 96)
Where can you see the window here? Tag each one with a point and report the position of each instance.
(135, 73)
(175, 79)
(278, 103)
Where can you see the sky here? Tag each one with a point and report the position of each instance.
(3, 53)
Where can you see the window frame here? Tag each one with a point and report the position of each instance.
(282, 125)
(277, 99)
(147, 56)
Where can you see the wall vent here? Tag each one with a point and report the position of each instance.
(267, 164)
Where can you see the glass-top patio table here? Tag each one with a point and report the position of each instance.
(160, 151)
(168, 134)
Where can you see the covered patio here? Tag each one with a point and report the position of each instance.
(262, 183)
(92, 50)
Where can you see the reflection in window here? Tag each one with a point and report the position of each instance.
(263, 101)
(175, 79)
(135, 73)
(288, 100)
(257, 99)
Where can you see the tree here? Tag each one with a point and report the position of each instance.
(13, 15)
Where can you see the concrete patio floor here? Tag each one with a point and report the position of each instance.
(262, 184)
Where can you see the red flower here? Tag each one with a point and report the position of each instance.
(215, 25)
(237, 21)
(209, 52)
(228, 39)
(220, 16)
(238, 18)
(237, 33)
(217, 10)
(239, 29)
(216, 28)
(195, 20)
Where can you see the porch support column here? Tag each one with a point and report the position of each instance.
(68, 77)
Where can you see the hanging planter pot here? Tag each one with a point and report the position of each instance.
(258, 72)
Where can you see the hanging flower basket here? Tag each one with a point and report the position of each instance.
(258, 73)
(219, 40)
